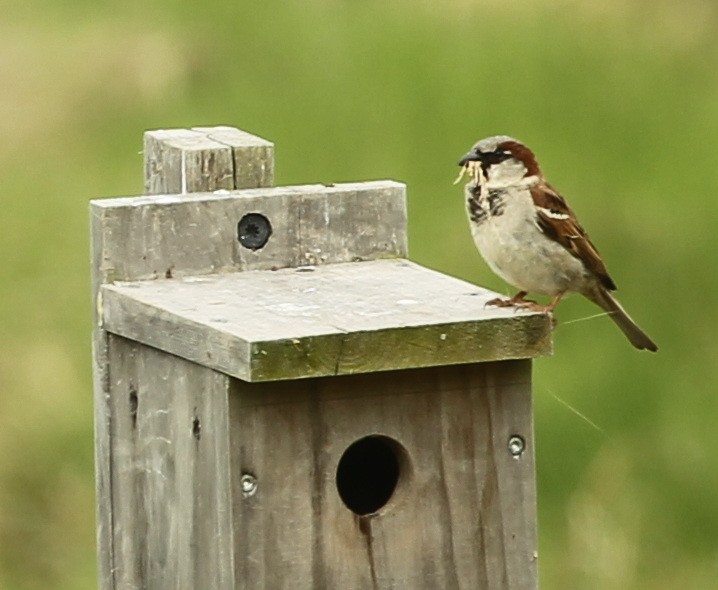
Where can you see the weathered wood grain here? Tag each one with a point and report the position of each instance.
(175, 235)
(103, 460)
(125, 251)
(337, 319)
(253, 156)
(462, 518)
(181, 161)
(182, 308)
(171, 494)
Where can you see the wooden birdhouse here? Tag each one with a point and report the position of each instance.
(284, 400)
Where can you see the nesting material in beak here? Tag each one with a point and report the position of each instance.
(473, 168)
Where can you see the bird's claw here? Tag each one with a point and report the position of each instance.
(498, 302)
(518, 303)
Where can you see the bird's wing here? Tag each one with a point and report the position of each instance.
(558, 222)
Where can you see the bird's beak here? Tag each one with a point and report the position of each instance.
(470, 157)
(470, 163)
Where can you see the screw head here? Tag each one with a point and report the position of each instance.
(517, 445)
(248, 484)
(253, 231)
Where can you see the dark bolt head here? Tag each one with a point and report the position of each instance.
(253, 231)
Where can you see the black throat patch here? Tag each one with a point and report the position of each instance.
(482, 206)
(496, 202)
(473, 203)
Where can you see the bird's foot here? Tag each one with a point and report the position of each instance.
(498, 302)
(529, 305)
(533, 306)
(517, 301)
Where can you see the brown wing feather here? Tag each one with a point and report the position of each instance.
(558, 222)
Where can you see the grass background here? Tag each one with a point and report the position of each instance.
(619, 100)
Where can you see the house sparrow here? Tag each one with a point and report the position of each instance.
(530, 237)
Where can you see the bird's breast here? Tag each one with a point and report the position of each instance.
(505, 230)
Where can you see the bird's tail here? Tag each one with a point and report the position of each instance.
(608, 303)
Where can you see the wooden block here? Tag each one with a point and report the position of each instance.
(170, 471)
(181, 161)
(177, 235)
(176, 161)
(464, 511)
(329, 320)
(253, 156)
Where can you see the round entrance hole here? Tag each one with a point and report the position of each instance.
(369, 472)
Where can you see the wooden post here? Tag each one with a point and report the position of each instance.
(284, 401)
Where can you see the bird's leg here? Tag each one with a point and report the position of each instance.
(516, 301)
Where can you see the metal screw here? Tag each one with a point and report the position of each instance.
(517, 445)
(253, 231)
(248, 484)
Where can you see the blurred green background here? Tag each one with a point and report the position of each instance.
(620, 101)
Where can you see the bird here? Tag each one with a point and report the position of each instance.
(530, 237)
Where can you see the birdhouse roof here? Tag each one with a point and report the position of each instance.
(312, 321)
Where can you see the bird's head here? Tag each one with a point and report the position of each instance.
(501, 159)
